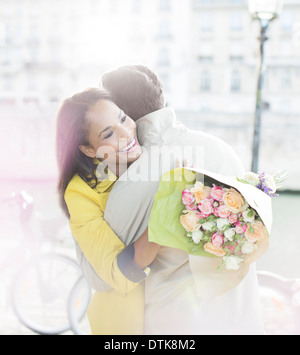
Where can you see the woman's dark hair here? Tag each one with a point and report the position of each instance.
(72, 131)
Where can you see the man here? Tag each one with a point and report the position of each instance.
(173, 305)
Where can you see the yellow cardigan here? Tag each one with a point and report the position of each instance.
(121, 310)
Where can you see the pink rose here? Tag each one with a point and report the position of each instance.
(233, 218)
(216, 212)
(200, 215)
(232, 248)
(217, 193)
(187, 197)
(217, 240)
(223, 211)
(191, 207)
(239, 228)
(205, 206)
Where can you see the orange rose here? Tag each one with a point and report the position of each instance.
(189, 221)
(234, 201)
(200, 191)
(259, 232)
(212, 249)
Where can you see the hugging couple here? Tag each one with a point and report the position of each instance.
(104, 140)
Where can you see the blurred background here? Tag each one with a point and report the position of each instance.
(206, 52)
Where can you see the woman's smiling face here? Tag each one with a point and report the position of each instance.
(111, 135)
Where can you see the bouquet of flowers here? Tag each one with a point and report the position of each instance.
(219, 220)
(228, 218)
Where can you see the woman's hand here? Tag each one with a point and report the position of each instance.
(145, 251)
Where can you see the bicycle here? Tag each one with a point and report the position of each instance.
(43, 280)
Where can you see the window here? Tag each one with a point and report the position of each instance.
(235, 81)
(8, 34)
(285, 106)
(205, 81)
(287, 20)
(164, 30)
(32, 82)
(236, 52)
(236, 21)
(6, 57)
(197, 3)
(286, 79)
(136, 6)
(136, 31)
(164, 5)
(163, 57)
(286, 48)
(7, 82)
(33, 32)
(2, 34)
(206, 22)
(33, 55)
(206, 54)
(114, 6)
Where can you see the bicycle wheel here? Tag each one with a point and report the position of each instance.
(41, 291)
(78, 303)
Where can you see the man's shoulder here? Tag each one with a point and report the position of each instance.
(218, 154)
(211, 144)
(205, 137)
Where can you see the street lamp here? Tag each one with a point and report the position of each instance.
(264, 11)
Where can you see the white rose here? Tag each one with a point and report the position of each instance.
(208, 226)
(248, 248)
(197, 236)
(249, 216)
(222, 222)
(229, 234)
(198, 185)
(232, 262)
(270, 182)
(252, 178)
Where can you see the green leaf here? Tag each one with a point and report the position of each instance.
(251, 230)
(225, 228)
(250, 213)
(220, 268)
(243, 181)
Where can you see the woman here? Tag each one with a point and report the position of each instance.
(91, 129)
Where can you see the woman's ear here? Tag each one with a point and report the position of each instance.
(88, 151)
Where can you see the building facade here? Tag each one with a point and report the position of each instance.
(206, 53)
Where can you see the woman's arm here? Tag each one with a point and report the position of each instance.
(105, 252)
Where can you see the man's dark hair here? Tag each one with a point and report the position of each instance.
(135, 89)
